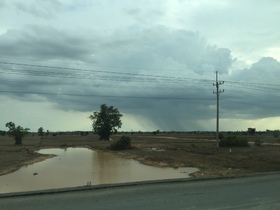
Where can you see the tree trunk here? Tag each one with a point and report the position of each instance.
(104, 134)
(105, 137)
(18, 141)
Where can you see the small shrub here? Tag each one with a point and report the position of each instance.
(276, 134)
(123, 143)
(233, 141)
(2, 133)
(221, 136)
(258, 142)
(83, 133)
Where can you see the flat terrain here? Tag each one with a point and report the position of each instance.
(173, 150)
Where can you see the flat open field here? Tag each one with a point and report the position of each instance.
(173, 150)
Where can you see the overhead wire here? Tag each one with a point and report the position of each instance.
(251, 83)
(94, 77)
(136, 76)
(251, 104)
(264, 89)
(113, 72)
(109, 96)
(98, 85)
(101, 71)
(79, 73)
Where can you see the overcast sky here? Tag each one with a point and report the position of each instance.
(154, 60)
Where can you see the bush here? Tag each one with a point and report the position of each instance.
(2, 133)
(221, 136)
(258, 142)
(83, 133)
(233, 141)
(123, 143)
(276, 133)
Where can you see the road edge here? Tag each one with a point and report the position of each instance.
(129, 184)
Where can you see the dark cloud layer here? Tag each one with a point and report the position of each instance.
(256, 91)
(148, 72)
(44, 43)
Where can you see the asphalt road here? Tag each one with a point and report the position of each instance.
(257, 192)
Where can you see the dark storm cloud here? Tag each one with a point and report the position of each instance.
(256, 92)
(44, 43)
(183, 47)
(122, 64)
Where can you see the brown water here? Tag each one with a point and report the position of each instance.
(78, 166)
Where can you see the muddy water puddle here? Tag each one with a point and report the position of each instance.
(80, 166)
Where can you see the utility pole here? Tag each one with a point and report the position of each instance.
(218, 92)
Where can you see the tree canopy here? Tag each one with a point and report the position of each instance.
(17, 132)
(41, 132)
(106, 121)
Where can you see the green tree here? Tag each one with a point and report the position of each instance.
(41, 132)
(17, 132)
(106, 121)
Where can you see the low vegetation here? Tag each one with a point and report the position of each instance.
(234, 141)
(276, 133)
(123, 143)
(258, 142)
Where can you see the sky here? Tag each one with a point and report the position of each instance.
(156, 61)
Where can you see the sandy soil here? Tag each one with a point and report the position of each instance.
(163, 150)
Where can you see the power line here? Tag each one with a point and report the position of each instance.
(127, 79)
(100, 71)
(107, 96)
(96, 77)
(251, 83)
(71, 84)
(95, 65)
(122, 77)
(147, 77)
(251, 104)
(264, 89)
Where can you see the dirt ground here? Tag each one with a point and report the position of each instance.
(163, 150)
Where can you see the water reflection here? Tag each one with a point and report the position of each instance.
(77, 166)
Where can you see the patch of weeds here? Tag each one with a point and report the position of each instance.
(258, 142)
(123, 143)
(233, 141)
(193, 145)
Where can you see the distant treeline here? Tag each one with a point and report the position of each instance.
(2, 133)
(275, 133)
